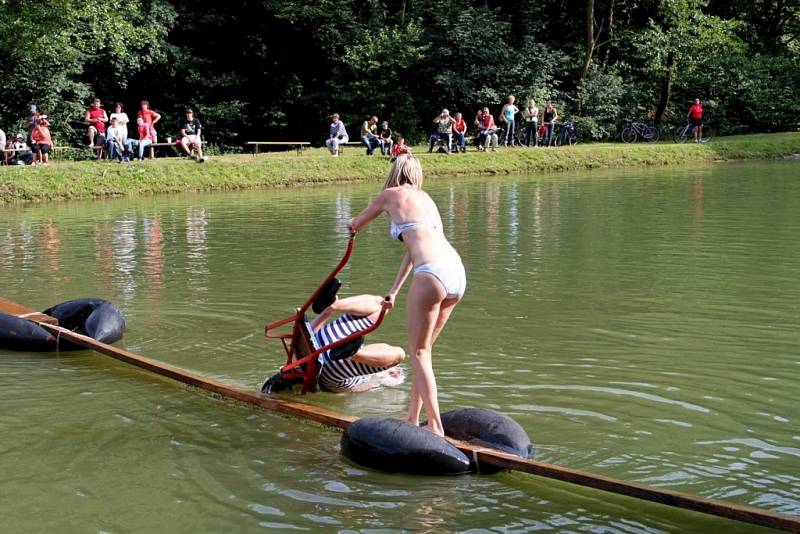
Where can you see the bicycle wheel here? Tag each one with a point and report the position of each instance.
(573, 139)
(682, 134)
(519, 135)
(628, 135)
(651, 134)
(707, 134)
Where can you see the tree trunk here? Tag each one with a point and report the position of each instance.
(403, 13)
(610, 33)
(666, 88)
(587, 60)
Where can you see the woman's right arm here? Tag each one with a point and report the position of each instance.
(375, 208)
(399, 280)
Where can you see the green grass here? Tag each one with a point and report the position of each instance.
(93, 179)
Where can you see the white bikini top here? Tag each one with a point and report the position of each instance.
(397, 229)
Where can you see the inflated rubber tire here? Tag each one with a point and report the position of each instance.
(487, 428)
(97, 318)
(398, 447)
(19, 334)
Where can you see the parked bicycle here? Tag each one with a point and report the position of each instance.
(635, 131)
(684, 133)
(566, 134)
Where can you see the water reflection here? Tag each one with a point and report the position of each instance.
(197, 250)
(123, 250)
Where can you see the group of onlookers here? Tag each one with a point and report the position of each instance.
(451, 131)
(111, 132)
(370, 137)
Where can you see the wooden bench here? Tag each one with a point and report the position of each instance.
(174, 144)
(350, 143)
(299, 145)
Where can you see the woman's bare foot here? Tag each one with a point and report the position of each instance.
(427, 426)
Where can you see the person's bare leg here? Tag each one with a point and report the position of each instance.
(446, 308)
(360, 305)
(91, 133)
(424, 299)
(379, 355)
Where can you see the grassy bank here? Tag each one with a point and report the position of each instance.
(90, 179)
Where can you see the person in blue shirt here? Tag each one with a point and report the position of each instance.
(337, 135)
(507, 116)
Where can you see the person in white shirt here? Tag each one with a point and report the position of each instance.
(122, 119)
(118, 146)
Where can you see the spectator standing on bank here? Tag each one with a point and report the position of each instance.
(337, 135)
(385, 138)
(42, 142)
(2, 140)
(190, 128)
(549, 118)
(96, 118)
(369, 134)
(460, 131)
(122, 119)
(508, 117)
(531, 115)
(695, 116)
(150, 118)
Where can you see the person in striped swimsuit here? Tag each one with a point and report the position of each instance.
(355, 366)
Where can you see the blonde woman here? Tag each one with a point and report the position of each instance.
(438, 281)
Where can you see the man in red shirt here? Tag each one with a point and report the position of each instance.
(695, 116)
(96, 118)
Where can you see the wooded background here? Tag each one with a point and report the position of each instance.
(277, 69)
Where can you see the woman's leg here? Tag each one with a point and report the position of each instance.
(422, 311)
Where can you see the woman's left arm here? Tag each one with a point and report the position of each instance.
(375, 208)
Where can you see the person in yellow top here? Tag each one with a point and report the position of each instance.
(369, 134)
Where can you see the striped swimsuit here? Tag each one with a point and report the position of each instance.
(342, 375)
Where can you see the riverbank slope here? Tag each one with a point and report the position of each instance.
(93, 179)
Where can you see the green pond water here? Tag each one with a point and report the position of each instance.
(640, 324)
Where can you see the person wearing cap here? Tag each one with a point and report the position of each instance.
(22, 154)
(42, 142)
(444, 130)
(96, 118)
(190, 135)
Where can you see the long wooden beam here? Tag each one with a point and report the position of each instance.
(747, 514)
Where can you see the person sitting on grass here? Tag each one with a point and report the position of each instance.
(400, 148)
(42, 140)
(369, 134)
(385, 138)
(190, 135)
(353, 367)
(444, 131)
(119, 147)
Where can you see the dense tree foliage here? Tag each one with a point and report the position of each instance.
(274, 69)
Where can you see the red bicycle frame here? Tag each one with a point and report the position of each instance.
(299, 344)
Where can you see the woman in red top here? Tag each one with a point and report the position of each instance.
(150, 117)
(695, 116)
(42, 140)
(460, 130)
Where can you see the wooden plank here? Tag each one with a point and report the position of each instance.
(483, 455)
(12, 308)
(278, 143)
